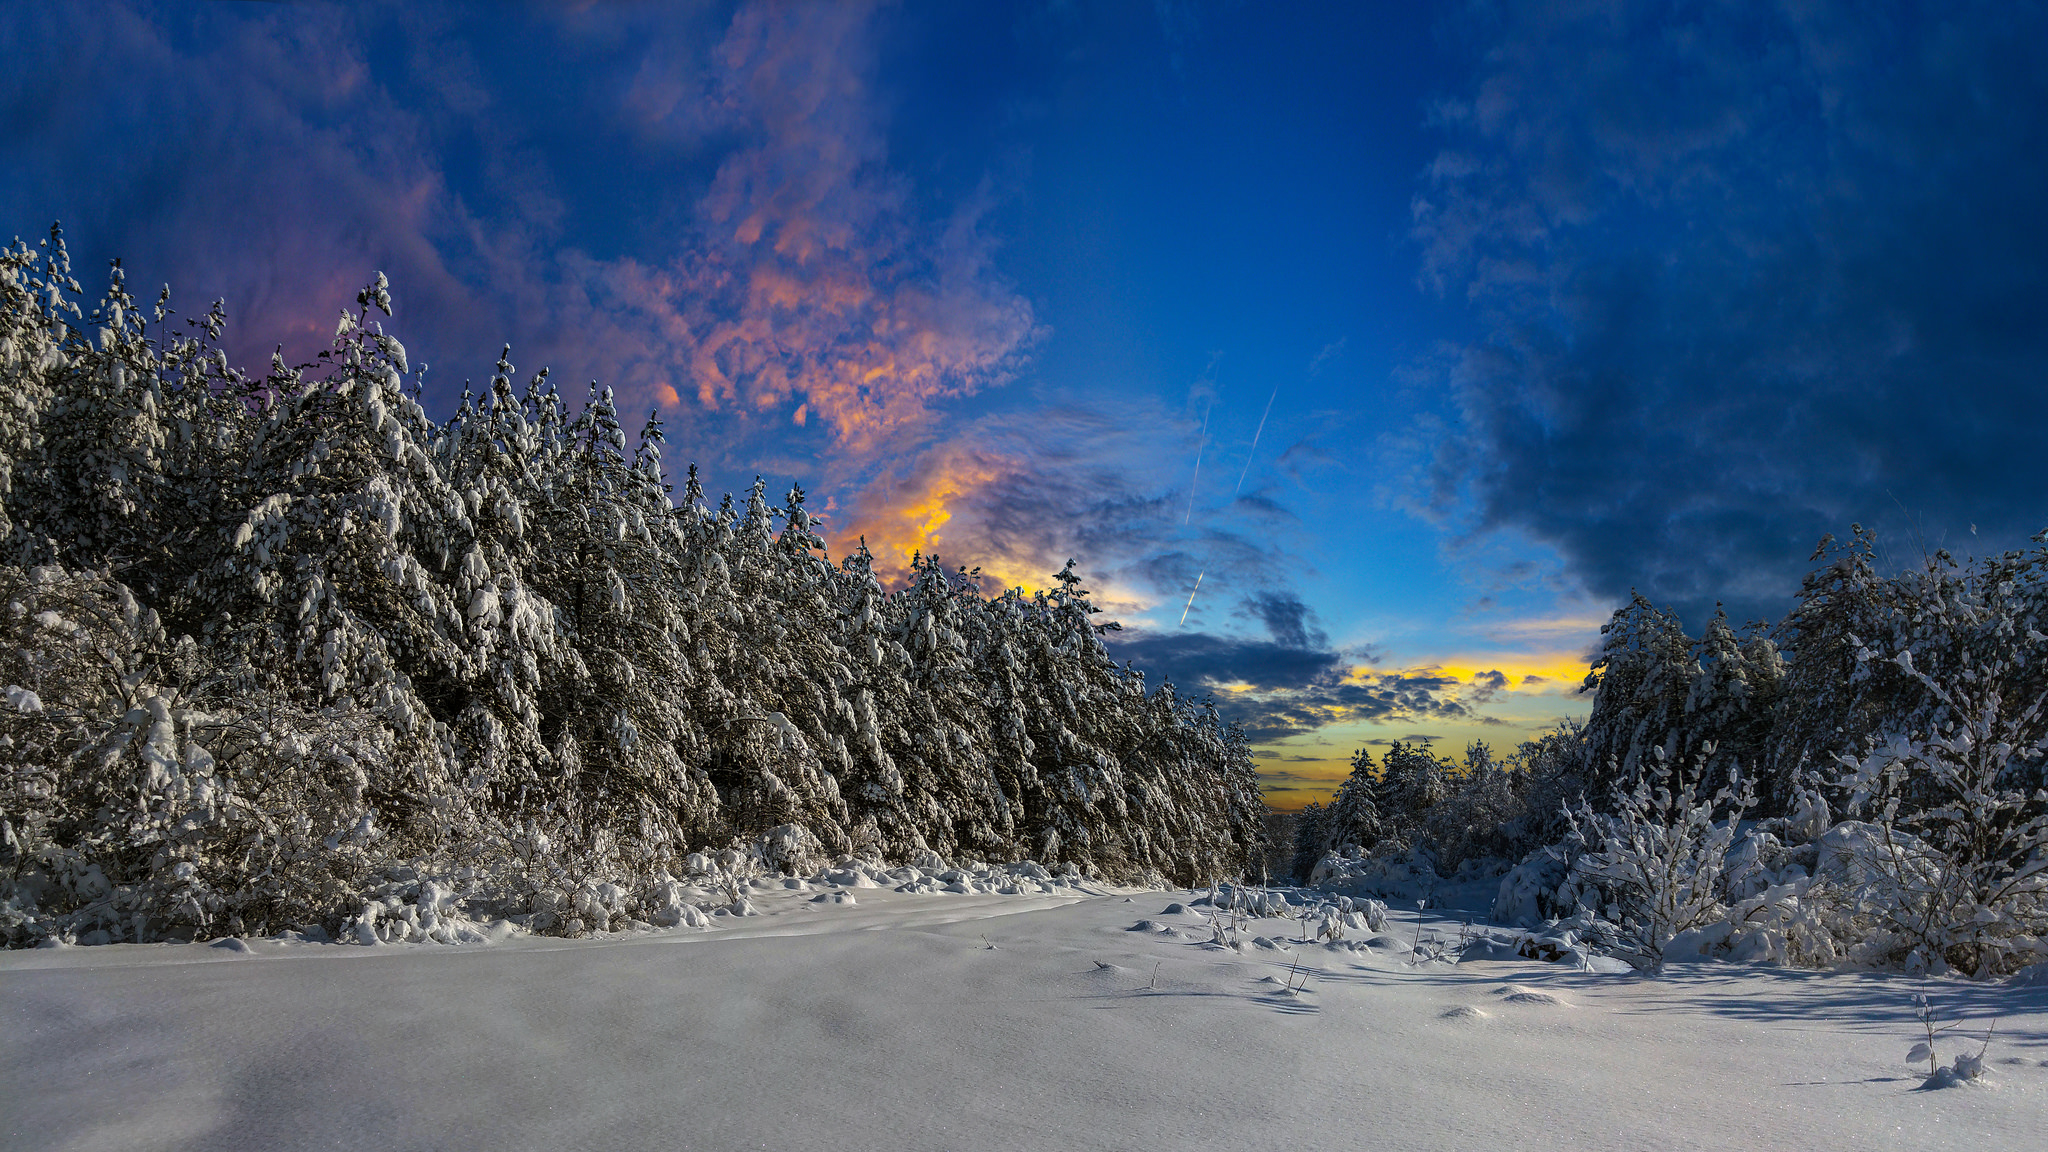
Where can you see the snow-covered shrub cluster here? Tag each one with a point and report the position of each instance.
(1867, 782)
(285, 651)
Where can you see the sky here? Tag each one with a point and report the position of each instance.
(1364, 356)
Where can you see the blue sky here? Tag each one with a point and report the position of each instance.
(1418, 335)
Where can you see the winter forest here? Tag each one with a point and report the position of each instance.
(281, 647)
(284, 653)
(1864, 783)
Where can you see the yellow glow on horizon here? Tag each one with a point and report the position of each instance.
(1560, 671)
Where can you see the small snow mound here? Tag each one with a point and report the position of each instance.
(2032, 976)
(1148, 926)
(1176, 909)
(1966, 1072)
(1466, 1012)
(1489, 947)
(1265, 942)
(231, 944)
(1389, 943)
(1516, 994)
(1267, 980)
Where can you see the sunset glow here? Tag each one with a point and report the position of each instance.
(1363, 358)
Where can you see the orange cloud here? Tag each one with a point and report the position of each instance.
(815, 285)
(902, 518)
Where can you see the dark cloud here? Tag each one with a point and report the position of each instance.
(1287, 619)
(1293, 690)
(1263, 507)
(1746, 274)
(1275, 776)
(1198, 659)
(1486, 684)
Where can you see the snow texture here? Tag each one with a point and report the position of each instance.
(893, 1023)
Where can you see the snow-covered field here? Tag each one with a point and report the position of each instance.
(970, 1021)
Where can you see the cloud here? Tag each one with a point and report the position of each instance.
(1276, 690)
(1201, 660)
(1329, 352)
(1411, 738)
(1044, 478)
(748, 260)
(1487, 684)
(814, 287)
(1274, 777)
(1286, 618)
(694, 205)
(1744, 278)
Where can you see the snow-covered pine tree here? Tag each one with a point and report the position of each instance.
(1640, 681)
(91, 462)
(328, 578)
(1413, 781)
(1353, 821)
(782, 669)
(1478, 819)
(1828, 704)
(603, 556)
(1309, 832)
(1733, 700)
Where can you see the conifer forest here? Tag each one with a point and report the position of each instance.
(281, 644)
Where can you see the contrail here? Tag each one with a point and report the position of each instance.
(1199, 445)
(1191, 596)
(1255, 443)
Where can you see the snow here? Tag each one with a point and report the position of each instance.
(1083, 1018)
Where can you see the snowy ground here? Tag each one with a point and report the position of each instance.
(891, 1024)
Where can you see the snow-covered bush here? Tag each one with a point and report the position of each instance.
(1529, 892)
(143, 801)
(1658, 864)
(1959, 852)
(1408, 875)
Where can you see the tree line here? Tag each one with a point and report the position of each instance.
(277, 641)
(1877, 759)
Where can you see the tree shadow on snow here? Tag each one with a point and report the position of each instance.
(1876, 1003)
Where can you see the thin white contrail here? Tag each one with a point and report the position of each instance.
(1199, 445)
(1191, 596)
(1255, 442)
